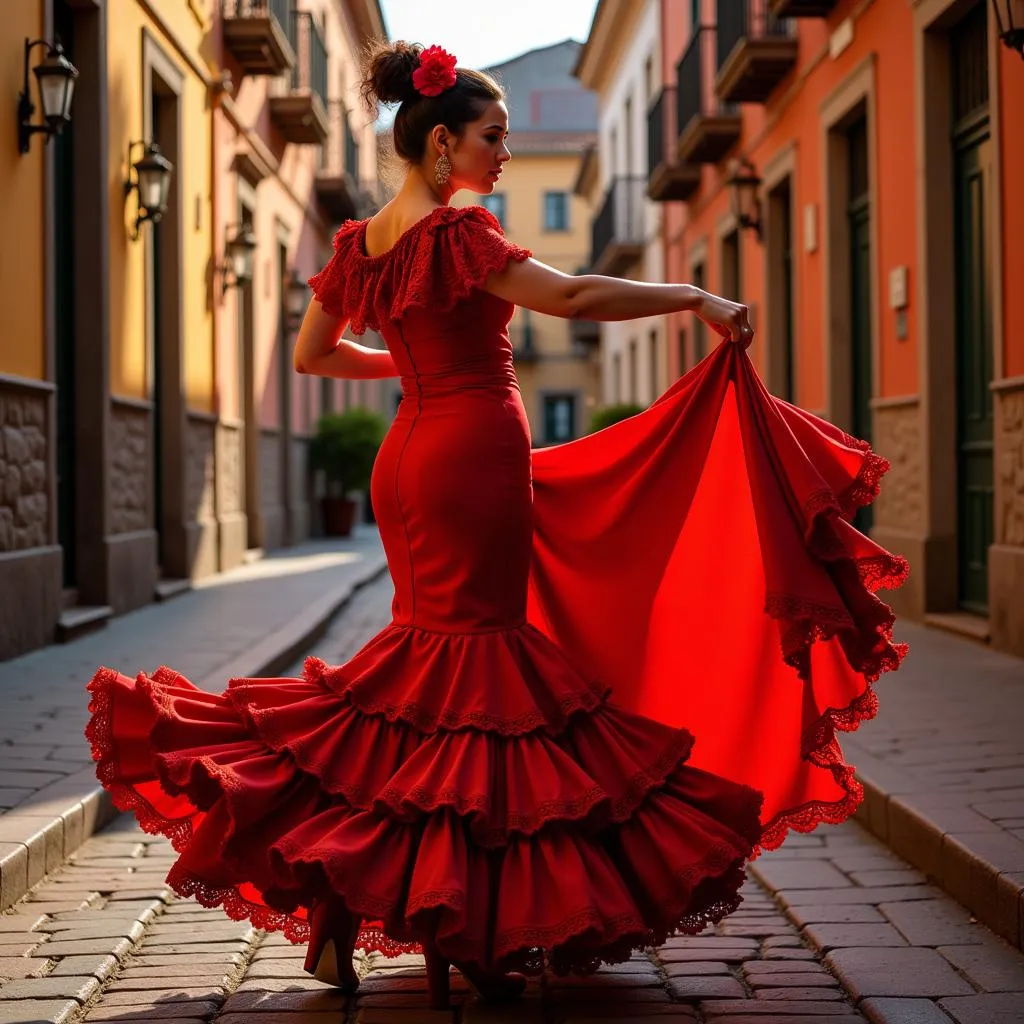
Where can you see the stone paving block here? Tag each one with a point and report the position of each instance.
(692, 989)
(118, 928)
(293, 1002)
(371, 1015)
(49, 1011)
(857, 894)
(789, 954)
(611, 996)
(772, 1018)
(20, 966)
(728, 956)
(404, 1000)
(707, 942)
(676, 1016)
(755, 968)
(800, 979)
(80, 989)
(837, 936)
(774, 995)
(798, 874)
(696, 969)
(100, 967)
(843, 913)
(902, 1011)
(19, 922)
(303, 984)
(279, 969)
(993, 965)
(989, 1008)
(934, 923)
(900, 971)
(893, 876)
(160, 993)
(752, 1011)
(84, 947)
(329, 1017)
(181, 1013)
(605, 980)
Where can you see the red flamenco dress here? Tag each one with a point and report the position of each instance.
(616, 667)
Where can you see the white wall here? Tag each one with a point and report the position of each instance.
(622, 148)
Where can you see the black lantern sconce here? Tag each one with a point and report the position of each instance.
(56, 77)
(295, 298)
(150, 178)
(1012, 35)
(743, 183)
(239, 250)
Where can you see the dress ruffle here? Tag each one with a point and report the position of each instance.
(559, 830)
(434, 265)
(776, 487)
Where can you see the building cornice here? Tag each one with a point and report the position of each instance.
(368, 18)
(613, 22)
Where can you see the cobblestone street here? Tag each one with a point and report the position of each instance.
(833, 926)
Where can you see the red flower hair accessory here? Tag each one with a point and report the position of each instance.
(436, 72)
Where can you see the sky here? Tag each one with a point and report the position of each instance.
(485, 32)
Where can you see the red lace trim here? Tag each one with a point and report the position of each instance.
(870, 648)
(436, 264)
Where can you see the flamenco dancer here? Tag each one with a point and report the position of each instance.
(616, 668)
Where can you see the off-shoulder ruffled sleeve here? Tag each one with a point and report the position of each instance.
(434, 265)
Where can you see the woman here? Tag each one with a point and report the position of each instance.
(464, 783)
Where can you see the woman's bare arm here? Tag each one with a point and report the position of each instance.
(322, 351)
(544, 289)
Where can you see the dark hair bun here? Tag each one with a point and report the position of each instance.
(388, 74)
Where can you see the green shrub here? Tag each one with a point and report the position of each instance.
(345, 446)
(606, 415)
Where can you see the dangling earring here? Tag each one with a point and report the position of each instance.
(442, 169)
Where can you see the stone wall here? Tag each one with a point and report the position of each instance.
(900, 503)
(200, 494)
(1009, 470)
(24, 484)
(271, 489)
(131, 476)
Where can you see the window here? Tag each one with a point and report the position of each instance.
(495, 203)
(559, 418)
(556, 211)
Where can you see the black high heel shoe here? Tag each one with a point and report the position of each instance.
(491, 987)
(332, 940)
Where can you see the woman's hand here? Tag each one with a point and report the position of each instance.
(729, 319)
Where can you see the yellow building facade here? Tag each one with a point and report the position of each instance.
(151, 430)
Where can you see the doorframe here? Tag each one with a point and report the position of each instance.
(854, 96)
(936, 281)
(92, 303)
(776, 170)
(697, 256)
(170, 520)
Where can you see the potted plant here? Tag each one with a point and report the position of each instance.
(606, 415)
(344, 449)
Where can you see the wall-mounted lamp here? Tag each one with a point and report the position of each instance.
(743, 183)
(295, 297)
(1013, 35)
(239, 249)
(150, 177)
(56, 77)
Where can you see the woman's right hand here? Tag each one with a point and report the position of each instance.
(729, 319)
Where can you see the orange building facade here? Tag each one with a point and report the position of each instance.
(884, 271)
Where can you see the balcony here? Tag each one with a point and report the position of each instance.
(299, 105)
(255, 34)
(667, 178)
(584, 333)
(756, 50)
(802, 8)
(707, 128)
(337, 178)
(523, 348)
(617, 233)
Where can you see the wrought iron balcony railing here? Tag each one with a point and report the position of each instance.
(756, 50)
(617, 233)
(257, 34)
(708, 128)
(667, 178)
(299, 101)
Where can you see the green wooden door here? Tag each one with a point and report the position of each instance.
(859, 222)
(975, 497)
